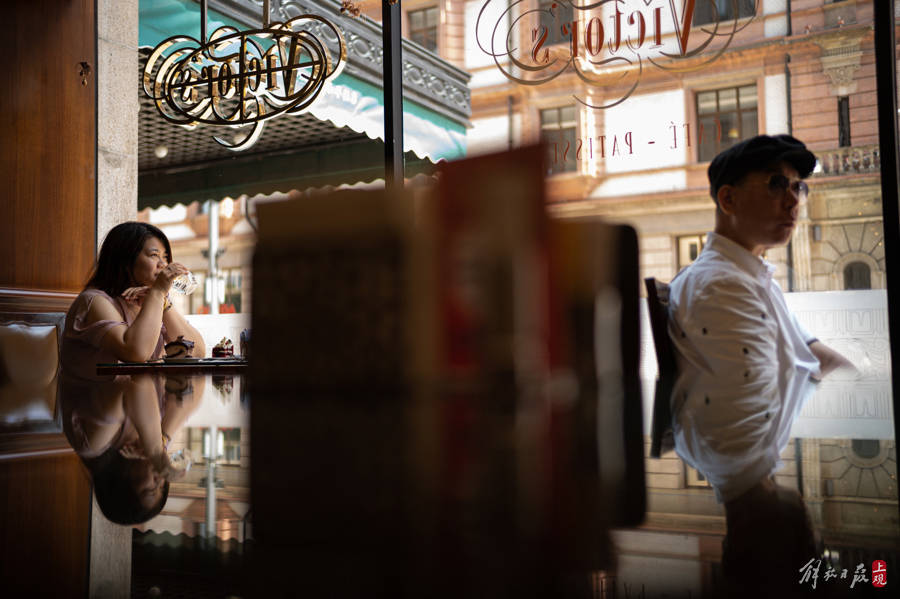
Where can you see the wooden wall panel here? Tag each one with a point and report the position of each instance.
(47, 232)
(48, 154)
(45, 503)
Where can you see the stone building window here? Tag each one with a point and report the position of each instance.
(563, 14)
(689, 247)
(866, 449)
(694, 478)
(712, 11)
(857, 275)
(844, 121)
(725, 117)
(558, 131)
(423, 27)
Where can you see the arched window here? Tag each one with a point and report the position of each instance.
(857, 275)
(866, 448)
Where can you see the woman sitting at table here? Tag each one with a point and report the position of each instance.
(123, 314)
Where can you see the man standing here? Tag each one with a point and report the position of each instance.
(746, 365)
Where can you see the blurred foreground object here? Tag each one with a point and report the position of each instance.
(430, 406)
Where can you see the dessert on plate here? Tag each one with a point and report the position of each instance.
(180, 348)
(223, 349)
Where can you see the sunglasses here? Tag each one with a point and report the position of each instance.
(780, 184)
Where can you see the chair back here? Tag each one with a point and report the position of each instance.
(29, 363)
(661, 437)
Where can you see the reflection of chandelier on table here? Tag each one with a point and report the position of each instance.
(240, 79)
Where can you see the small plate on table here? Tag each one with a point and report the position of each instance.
(182, 360)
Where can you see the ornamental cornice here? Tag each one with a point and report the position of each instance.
(427, 79)
(841, 57)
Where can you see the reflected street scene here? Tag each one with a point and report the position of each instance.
(450, 298)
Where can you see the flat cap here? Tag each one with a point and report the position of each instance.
(758, 153)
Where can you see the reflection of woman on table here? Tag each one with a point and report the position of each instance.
(122, 431)
(114, 423)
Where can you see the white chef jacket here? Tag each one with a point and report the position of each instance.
(744, 367)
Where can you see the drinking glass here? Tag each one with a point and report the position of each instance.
(181, 460)
(185, 284)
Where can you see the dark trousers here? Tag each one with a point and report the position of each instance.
(769, 539)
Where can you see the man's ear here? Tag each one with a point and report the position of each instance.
(725, 198)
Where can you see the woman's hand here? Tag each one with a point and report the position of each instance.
(167, 275)
(135, 295)
(163, 466)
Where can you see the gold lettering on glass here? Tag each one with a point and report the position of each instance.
(607, 42)
(240, 79)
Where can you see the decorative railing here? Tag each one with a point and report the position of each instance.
(848, 161)
(427, 78)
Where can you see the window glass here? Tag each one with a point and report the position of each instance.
(694, 478)
(857, 275)
(866, 448)
(747, 95)
(557, 16)
(228, 292)
(749, 122)
(558, 132)
(711, 11)
(727, 100)
(689, 247)
(423, 26)
(809, 74)
(628, 141)
(844, 121)
(706, 102)
(723, 120)
(231, 444)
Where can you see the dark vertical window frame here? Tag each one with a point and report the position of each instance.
(886, 93)
(843, 106)
(95, 81)
(391, 33)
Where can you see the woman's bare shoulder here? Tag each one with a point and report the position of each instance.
(99, 306)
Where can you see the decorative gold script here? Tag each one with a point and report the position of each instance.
(240, 79)
(603, 34)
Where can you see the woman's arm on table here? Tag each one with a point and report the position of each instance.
(137, 342)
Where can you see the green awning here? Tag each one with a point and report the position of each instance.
(346, 101)
(346, 163)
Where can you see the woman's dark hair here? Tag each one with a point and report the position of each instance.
(115, 492)
(121, 247)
